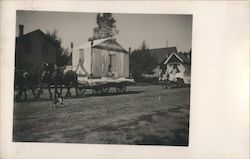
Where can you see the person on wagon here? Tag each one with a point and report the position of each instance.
(110, 73)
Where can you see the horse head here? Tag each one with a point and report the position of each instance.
(47, 72)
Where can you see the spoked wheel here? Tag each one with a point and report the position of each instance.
(97, 91)
(121, 89)
(105, 90)
(82, 90)
(163, 84)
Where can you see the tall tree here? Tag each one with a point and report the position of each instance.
(141, 62)
(106, 26)
(63, 54)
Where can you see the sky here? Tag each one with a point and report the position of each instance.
(158, 30)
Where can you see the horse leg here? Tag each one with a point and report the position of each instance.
(76, 88)
(39, 92)
(68, 90)
(25, 94)
(60, 94)
(33, 91)
(69, 87)
(55, 94)
(50, 94)
(19, 94)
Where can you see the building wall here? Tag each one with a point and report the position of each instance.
(97, 61)
(102, 59)
(126, 66)
(29, 51)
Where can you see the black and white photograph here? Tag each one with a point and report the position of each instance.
(124, 79)
(102, 78)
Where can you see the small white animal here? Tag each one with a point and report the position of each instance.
(55, 101)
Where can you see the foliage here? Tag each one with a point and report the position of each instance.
(106, 27)
(142, 62)
(62, 55)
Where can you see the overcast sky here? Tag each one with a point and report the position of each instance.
(155, 29)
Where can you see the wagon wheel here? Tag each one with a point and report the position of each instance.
(182, 83)
(163, 84)
(96, 91)
(168, 84)
(105, 90)
(121, 89)
(82, 90)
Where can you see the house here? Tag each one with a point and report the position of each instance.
(178, 65)
(160, 54)
(98, 57)
(33, 48)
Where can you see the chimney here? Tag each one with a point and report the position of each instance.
(129, 50)
(21, 30)
(71, 46)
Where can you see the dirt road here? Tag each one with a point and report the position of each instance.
(146, 115)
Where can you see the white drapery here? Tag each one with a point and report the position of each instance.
(181, 68)
(172, 77)
(82, 70)
(122, 64)
(169, 68)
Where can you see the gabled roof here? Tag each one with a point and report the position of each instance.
(179, 56)
(39, 32)
(88, 44)
(106, 44)
(162, 53)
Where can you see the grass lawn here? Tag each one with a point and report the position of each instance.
(147, 115)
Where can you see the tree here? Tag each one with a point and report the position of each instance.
(62, 55)
(106, 27)
(142, 62)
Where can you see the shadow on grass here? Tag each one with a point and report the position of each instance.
(82, 96)
(116, 94)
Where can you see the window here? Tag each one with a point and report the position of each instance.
(45, 49)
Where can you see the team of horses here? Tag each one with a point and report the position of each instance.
(49, 76)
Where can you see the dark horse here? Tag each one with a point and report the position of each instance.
(26, 80)
(57, 76)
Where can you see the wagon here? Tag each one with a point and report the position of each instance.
(167, 82)
(100, 65)
(172, 84)
(102, 85)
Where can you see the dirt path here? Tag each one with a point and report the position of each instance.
(145, 115)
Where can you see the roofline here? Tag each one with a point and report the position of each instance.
(171, 56)
(125, 51)
(104, 48)
(41, 32)
(164, 48)
(99, 47)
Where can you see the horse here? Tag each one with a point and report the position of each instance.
(26, 80)
(58, 76)
(70, 79)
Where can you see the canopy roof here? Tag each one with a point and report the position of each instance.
(180, 57)
(105, 44)
(162, 53)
